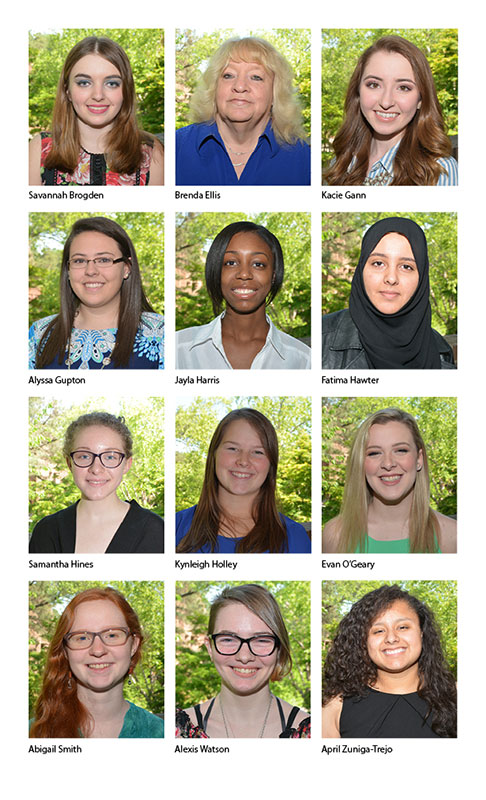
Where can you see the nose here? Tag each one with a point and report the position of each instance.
(98, 90)
(240, 84)
(243, 457)
(98, 647)
(391, 275)
(244, 272)
(91, 268)
(244, 654)
(386, 97)
(391, 636)
(96, 467)
(388, 461)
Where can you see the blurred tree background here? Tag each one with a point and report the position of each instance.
(144, 48)
(196, 677)
(341, 48)
(437, 421)
(47, 601)
(195, 232)
(194, 48)
(341, 245)
(48, 230)
(291, 418)
(439, 596)
(51, 486)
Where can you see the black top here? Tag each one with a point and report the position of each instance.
(380, 715)
(141, 531)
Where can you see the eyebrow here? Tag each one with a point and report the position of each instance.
(397, 80)
(106, 77)
(100, 253)
(387, 255)
(257, 633)
(395, 444)
(253, 252)
(230, 441)
(400, 619)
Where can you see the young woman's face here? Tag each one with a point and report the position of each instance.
(242, 463)
(96, 285)
(95, 89)
(391, 461)
(98, 482)
(243, 673)
(100, 667)
(395, 640)
(247, 272)
(244, 93)
(389, 95)
(390, 275)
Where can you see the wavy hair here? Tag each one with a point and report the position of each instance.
(423, 526)
(262, 603)
(103, 418)
(56, 339)
(286, 110)
(269, 532)
(423, 142)
(350, 672)
(215, 258)
(59, 713)
(124, 141)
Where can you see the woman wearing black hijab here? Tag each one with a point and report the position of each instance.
(388, 323)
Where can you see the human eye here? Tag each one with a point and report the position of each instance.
(259, 264)
(79, 638)
(377, 262)
(82, 82)
(78, 262)
(114, 83)
(227, 76)
(81, 456)
(111, 456)
(372, 453)
(259, 451)
(103, 261)
(371, 84)
(113, 636)
(408, 267)
(404, 87)
(257, 77)
(229, 262)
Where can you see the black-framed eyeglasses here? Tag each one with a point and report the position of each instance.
(99, 261)
(81, 640)
(109, 458)
(228, 644)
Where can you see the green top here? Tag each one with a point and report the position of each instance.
(389, 546)
(141, 724)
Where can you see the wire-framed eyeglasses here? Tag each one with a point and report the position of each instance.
(109, 458)
(78, 262)
(228, 644)
(81, 640)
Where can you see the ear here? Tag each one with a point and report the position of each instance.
(208, 643)
(419, 105)
(420, 460)
(69, 463)
(127, 465)
(135, 645)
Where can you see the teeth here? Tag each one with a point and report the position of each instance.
(394, 652)
(385, 115)
(98, 666)
(241, 474)
(244, 291)
(244, 671)
(93, 285)
(390, 478)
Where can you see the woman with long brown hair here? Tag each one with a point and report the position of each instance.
(237, 511)
(95, 648)
(393, 130)
(105, 320)
(94, 138)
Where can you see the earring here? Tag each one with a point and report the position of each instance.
(70, 683)
(131, 679)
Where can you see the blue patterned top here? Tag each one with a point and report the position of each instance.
(381, 173)
(89, 349)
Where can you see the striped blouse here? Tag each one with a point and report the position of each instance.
(381, 173)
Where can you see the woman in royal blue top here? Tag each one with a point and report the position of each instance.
(248, 122)
(237, 511)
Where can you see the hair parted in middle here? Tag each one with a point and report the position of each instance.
(269, 532)
(262, 603)
(422, 525)
(286, 109)
(423, 142)
(98, 418)
(215, 258)
(133, 302)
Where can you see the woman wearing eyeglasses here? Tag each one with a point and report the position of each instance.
(98, 451)
(105, 320)
(248, 644)
(95, 648)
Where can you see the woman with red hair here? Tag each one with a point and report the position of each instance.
(96, 646)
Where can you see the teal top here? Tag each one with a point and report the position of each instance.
(391, 546)
(141, 724)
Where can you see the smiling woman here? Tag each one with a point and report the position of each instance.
(249, 646)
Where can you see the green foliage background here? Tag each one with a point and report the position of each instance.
(47, 600)
(51, 486)
(291, 418)
(48, 230)
(196, 677)
(341, 244)
(437, 421)
(195, 232)
(194, 48)
(439, 596)
(341, 48)
(145, 51)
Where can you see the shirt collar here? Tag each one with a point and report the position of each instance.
(209, 130)
(385, 162)
(212, 332)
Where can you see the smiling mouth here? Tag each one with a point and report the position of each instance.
(98, 109)
(93, 285)
(391, 480)
(99, 667)
(387, 115)
(396, 651)
(245, 671)
(242, 475)
(244, 292)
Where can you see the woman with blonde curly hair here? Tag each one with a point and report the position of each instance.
(393, 130)
(247, 122)
(248, 644)
(386, 501)
(95, 648)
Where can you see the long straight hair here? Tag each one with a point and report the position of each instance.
(423, 526)
(56, 337)
(124, 140)
(269, 532)
(424, 139)
(59, 713)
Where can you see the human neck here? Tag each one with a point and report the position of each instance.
(241, 136)
(390, 521)
(97, 319)
(93, 139)
(245, 327)
(404, 682)
(381, 145)
(98, 510)
(245, 716)
(107, 708)
(236, 512)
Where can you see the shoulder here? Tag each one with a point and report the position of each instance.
(298, 538)
(156, 163)
(183, 521)
(192, 132)
(152, 322)
(331, 322)
(449, 176)
(189, 335)
(331, 716)
(38, 327)
(140, 723)
(297, 353)
(447, 535)
(300, 724)
(145, 515)
(445, 350)
(187, 724)
(35, 155)
(48, 537)
(330, 535)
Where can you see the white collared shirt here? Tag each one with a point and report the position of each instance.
(202, 348)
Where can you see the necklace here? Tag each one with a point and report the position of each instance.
(262, 730)
(239, 153)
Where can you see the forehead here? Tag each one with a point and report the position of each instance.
(249, 241)
(388, 65)
(241, 431)
(389, 433)
(400, 609)
(394, 244)
(237, 618)
(97, 438)
(245, 64)
(94, 65)
(97, 614)
(94, 242)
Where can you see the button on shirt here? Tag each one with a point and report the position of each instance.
(202, 348)
(202, 159)
(381, 173)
